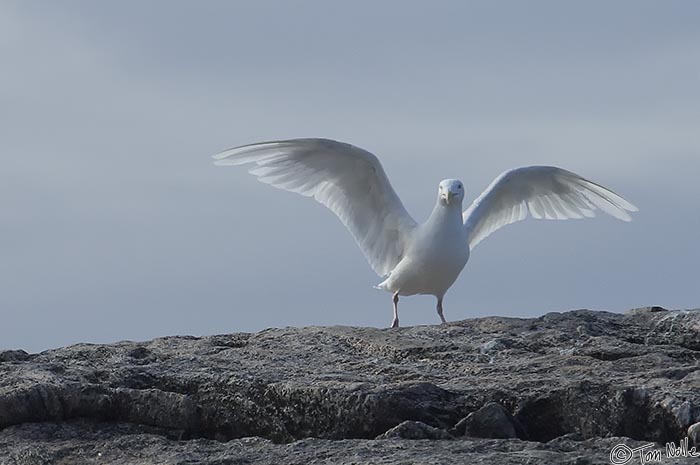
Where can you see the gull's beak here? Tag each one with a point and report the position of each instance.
(448, 197)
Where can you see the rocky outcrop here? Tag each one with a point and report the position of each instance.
(562, 388)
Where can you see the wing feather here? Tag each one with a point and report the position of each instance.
(348, 180)
(545, 192)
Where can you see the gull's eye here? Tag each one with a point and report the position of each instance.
(459, 186)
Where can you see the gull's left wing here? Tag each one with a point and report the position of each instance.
(545, 192)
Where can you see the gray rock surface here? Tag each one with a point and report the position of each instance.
(694, 434)
(578, 383)
(415, 430)
(490, 421)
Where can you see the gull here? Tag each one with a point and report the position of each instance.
(418, 258)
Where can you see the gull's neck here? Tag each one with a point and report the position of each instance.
(450, 215)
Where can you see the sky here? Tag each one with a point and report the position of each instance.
(115, 225)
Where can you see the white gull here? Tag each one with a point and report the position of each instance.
(418, 258)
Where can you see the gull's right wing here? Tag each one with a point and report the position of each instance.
(348, 180)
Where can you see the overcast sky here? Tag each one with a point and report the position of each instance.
(115, 225)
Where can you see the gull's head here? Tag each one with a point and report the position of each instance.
(451, 192)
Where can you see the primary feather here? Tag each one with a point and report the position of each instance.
(348, 180)
(545, 192)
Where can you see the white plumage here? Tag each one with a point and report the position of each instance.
(545, 192)
(418, 258)
(346, 179)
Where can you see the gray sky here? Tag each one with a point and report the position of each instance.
(115, 225)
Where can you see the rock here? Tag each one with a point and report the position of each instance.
(694, 434)
(13, 356)
(490, 421)
(577, 382)
(495, 345)
(415, 430)
(122, 443)
(684, 413)
(642, 310)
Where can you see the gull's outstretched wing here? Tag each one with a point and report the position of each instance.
(348, 180)
(546, 192)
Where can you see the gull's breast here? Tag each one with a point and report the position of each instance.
(430, 266)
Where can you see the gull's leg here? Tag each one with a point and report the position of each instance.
(395, 323)
(439, 310)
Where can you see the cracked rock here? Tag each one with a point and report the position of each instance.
(562, 388)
